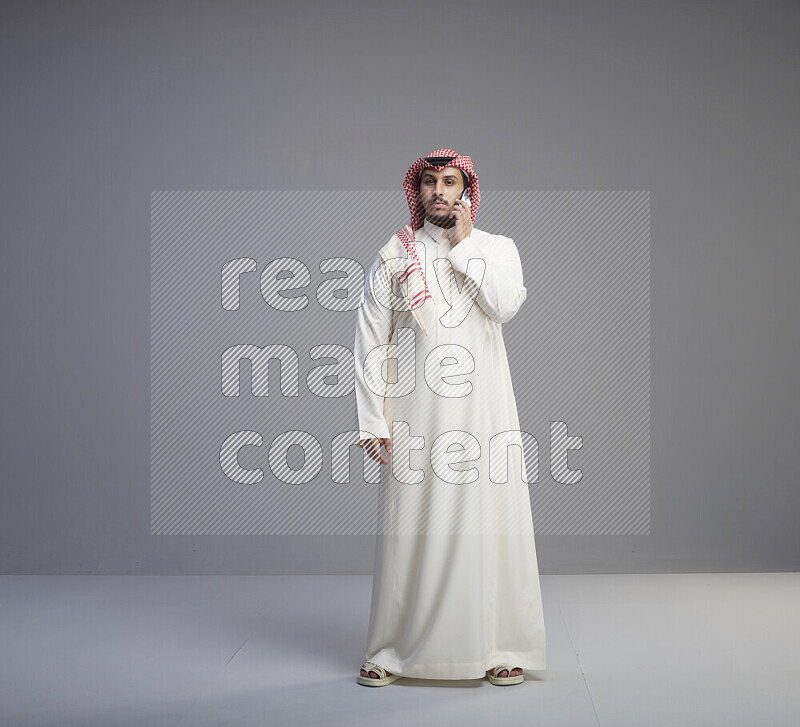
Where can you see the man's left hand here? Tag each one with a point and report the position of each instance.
(463, 226)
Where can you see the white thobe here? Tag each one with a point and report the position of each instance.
(456, 583)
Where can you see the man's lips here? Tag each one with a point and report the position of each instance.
(439, 204)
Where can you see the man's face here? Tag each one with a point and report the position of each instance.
(438, 191)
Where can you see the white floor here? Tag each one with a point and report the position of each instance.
(678, 650)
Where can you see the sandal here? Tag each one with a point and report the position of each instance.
(505, 681)
(382, 679)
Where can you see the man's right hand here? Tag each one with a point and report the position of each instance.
(373, 448)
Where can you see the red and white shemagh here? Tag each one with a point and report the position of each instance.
(418, 291)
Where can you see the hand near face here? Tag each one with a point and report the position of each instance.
(463, 226)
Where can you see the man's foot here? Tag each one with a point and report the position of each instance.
(516, 671)
(505, 675)
(373, 675)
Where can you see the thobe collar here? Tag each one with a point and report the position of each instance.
(442, 235)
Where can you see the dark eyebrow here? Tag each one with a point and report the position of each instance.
(446, 176)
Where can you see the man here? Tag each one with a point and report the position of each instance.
(456, 590)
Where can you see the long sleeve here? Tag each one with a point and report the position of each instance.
(501, 292)
(373, 328)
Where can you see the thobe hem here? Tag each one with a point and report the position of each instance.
(388, 659)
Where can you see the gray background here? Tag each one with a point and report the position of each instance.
(104, 102)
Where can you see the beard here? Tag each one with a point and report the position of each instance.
(441, 218)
